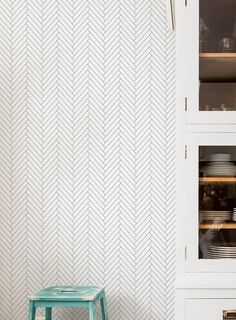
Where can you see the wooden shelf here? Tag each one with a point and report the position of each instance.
(209, 55)
(229, 225)
(204, 180)
(217, 67)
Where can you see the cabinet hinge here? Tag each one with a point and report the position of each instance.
(185, 252)
(185, 103)
(185, 152)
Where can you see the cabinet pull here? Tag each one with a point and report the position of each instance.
(186, 104)
(185, 152)
(170, 8)
(229, 314)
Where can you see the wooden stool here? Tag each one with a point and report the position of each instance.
(68, 296)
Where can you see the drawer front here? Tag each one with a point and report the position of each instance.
(210, 309)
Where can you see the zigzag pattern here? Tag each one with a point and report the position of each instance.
(19, 154)
(143, 245)
(96, 141)
(127, 159)
(80, 144)
(6, 163)
(65, 145)
(34, 145)
(50, 162)
(87, 154)
(112, 152)
(163, 165)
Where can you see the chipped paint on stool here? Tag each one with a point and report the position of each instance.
(68, 296)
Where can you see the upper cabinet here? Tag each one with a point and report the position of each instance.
(208, 46)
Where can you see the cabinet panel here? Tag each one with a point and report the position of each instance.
(210, 309)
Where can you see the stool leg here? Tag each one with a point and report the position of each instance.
(104, 307)
(32, 311)
(48, 313)
(92, 311)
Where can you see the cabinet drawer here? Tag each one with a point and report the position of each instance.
(210, 309)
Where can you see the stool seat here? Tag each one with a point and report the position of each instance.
(68, 293)
(68, 296)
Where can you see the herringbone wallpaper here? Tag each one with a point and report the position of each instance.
(87, 189)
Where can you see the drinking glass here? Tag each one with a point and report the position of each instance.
(227, 45)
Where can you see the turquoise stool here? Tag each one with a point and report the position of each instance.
(68, 296)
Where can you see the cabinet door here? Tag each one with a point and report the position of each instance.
(209, 202)
(210, 309)
(209, 43)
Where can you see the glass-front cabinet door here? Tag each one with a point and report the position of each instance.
(217, 202)
(211, 201)
(209, 39)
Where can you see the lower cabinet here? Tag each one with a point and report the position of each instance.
(210, 309)
(204, 303)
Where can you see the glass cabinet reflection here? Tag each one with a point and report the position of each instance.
(217, 202)
(217, 55)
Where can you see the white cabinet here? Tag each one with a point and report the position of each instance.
(209, 304)
(206, 159)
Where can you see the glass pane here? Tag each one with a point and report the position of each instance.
(217, 57)
(217, 202)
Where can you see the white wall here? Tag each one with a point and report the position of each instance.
(87, 190)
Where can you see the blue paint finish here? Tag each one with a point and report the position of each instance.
(104, 306)
(32, 311)
(48, 313)
(68, 293)
(68, 296)
(92, 311)
(60, 304)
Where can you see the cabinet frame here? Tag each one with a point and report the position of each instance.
(190, 178)
(187, 35)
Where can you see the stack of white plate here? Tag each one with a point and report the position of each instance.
(221, 252)
(220, 157)
(234, 215)
(220, 165)
(217, 216)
